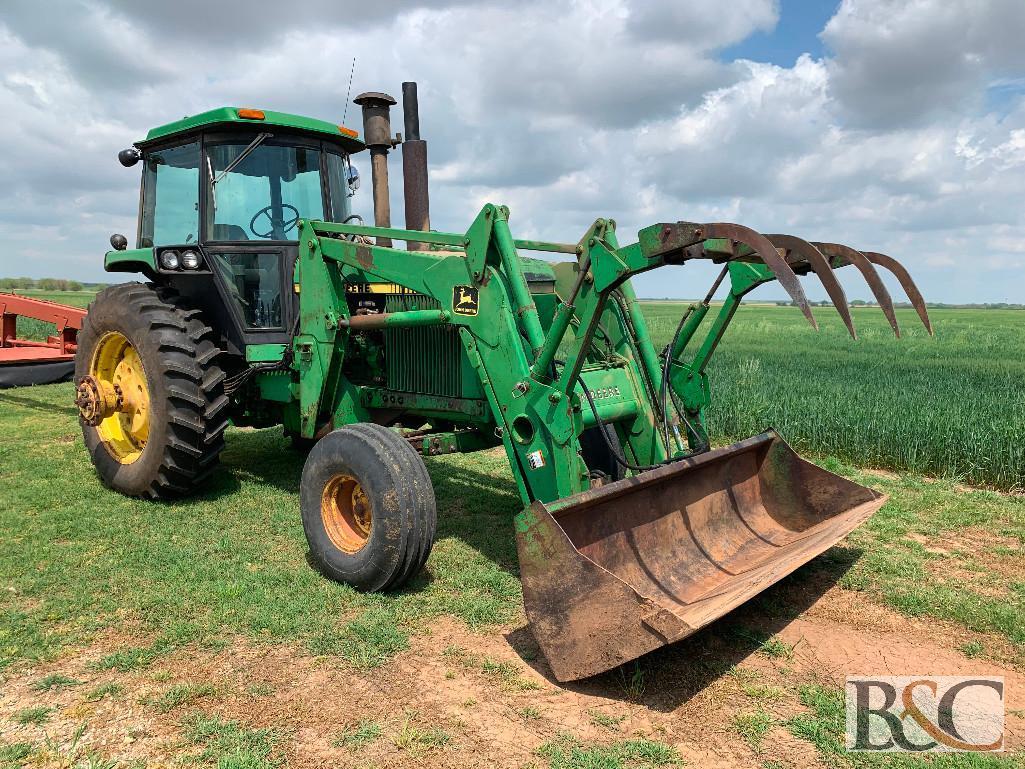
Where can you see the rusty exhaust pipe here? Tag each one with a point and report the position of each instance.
(414, 168)
(377, 135)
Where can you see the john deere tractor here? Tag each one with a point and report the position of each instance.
(267, 301)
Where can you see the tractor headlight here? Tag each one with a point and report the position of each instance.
(190, 260)
(169, 260)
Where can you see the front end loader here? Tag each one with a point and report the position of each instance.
(268, 302)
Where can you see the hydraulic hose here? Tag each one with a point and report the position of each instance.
(605, 437)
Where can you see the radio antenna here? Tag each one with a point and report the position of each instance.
(349, 91)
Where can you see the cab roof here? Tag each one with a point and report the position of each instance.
(233, 117)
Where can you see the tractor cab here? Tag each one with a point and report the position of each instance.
(222, 196)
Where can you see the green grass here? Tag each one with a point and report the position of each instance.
(605, 720)
(417, 740)
(110, 689)
(54, 681)
(508, 675)
(972, 649)
(36, 715)
(566, 752)
(12, 755)
(181, 694)
(365, 732)
(887, 563)
(753, 727)
(631, 681)
(366, 642)
(769, 645)
(236, 551)
(943, 406)
(228, 745)
(136, 657)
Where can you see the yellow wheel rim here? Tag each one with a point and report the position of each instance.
(346, 513)
(116, 363)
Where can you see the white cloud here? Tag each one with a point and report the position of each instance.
(905, 62)
(565, 111)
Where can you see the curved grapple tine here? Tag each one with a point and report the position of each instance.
(804, 251)
(847, 255)
(906, 283)
(765, 251)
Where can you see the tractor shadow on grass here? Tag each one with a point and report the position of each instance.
(474, 507)
(667, 678)
(36, 404)
(263, 456)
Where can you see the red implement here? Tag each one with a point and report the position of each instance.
(27, 362)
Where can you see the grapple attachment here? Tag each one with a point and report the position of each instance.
(620, 570)
(788, 257)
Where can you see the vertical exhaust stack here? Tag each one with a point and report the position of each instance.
(377, 135)
(414, 168)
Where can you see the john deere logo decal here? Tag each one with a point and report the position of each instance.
(465, 300)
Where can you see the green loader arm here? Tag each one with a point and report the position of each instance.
(539, 404)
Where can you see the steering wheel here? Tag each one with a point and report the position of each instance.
(286, 226)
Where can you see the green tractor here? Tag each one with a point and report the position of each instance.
(267, 301)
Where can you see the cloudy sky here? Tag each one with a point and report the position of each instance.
(891, 125)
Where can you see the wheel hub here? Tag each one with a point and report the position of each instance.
(114, 397)
(97, 400)
(346, 512)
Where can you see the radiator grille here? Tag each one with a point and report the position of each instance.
(422, 360)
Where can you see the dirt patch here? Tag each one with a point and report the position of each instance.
(460, 698)
(984, 583)
(972, 540)
(994, 561)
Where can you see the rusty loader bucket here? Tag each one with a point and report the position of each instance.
(620, 570)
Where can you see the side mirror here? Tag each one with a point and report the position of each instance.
(352, 174)
(118, 241)
(129, 157)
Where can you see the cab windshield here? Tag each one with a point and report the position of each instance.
(259, 190)
(261, 194)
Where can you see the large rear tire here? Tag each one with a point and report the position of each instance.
(368, 507)
(151, 396)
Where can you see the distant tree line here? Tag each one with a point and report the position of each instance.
(43, 284)
(906, 305)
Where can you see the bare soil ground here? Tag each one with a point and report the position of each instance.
(489, 693)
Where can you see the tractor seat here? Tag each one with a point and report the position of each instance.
(229, 232)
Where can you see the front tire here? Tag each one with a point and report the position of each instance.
(368, 507)
(151, 396)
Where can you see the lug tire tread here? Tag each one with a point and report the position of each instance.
(186, 377)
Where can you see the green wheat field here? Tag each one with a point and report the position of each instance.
(952, 405)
